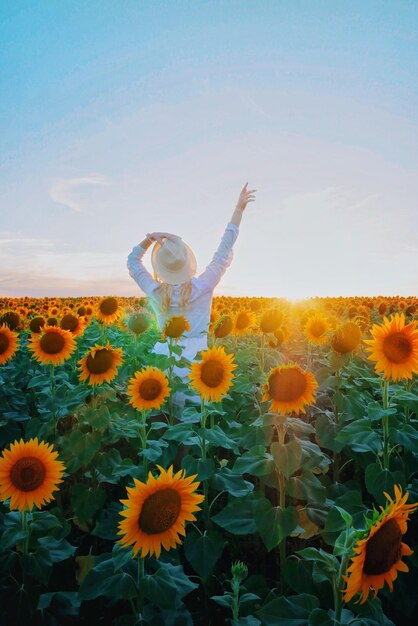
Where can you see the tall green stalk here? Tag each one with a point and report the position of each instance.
(385, 424)
(144, 436)
(203, 417)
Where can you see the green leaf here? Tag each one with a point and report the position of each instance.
(98, 417)
(319, 617)
(287, 456)
(102, 580)
(181, 581)
(226, 480)
(290, 611)
(58, 549)
(67, 602)
(154, 449)
(406, 436)
(254, 462)
(375, 411)
(345, 515)
(107, 525)
(306, 487)
(38, 565)
(298, 575)
(182, 432)
(226, 600)
(121, 556)
(217, 437)
(160, 589)
(46, 523)
(203, 551)
(10, 537)
(379, 480)
(274, 523)
(360, 437)
(84, 446)
(86, 501)
(238, 517)
(352, 503)
(327, 431)
(204, 469)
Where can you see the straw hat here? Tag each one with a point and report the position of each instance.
(173, 261)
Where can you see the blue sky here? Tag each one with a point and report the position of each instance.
(120, 118)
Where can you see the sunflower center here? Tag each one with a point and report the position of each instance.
(242, 321)
(109, 306)
(101, 362)
(287, 385)
(28, 473)
(175, 327)
(4, 343)
(383, 549)
(69, 322)
(159, 511)
(52, 343)
(397, 347)
(224, 327)
(150, 389)
(212, 373)
(317, 328)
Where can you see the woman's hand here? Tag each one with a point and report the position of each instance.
(160, 236)
(245, 197)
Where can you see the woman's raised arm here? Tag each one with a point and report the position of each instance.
(223, 256)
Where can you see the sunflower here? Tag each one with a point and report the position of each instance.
(223, 326)
(53, 345)
(379, 552)
(243, 321)
(29, 474)
(138, 323)
(9, 340)
(175, 326)
(289, 388)
(73, 323)
(11, 319)
(271, 320)
(157, 511)
(100, 364)
(148, 388)
(36, 324)
(108, 310)
(394, 347)
(212, 376)
(346, 338)
(316, 329)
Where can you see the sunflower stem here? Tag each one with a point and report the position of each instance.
(281, 434)
(203, 448)
(143, 436)
(336, 464)
(385, 424)
(52, 387)
(25, 530)
(338, 580)
(408, 386)
(262, 354)
(170, 373)
(141, 574)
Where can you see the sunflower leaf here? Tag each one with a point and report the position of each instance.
(203, 551)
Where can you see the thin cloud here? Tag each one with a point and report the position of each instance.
(26, 241)
(61, 191)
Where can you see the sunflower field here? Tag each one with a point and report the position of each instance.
(285, 496)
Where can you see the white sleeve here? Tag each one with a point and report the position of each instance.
(222, 259)
(139, 272)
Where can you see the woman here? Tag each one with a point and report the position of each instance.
(175, 290)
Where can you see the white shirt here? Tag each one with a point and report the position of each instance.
(199, 309)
